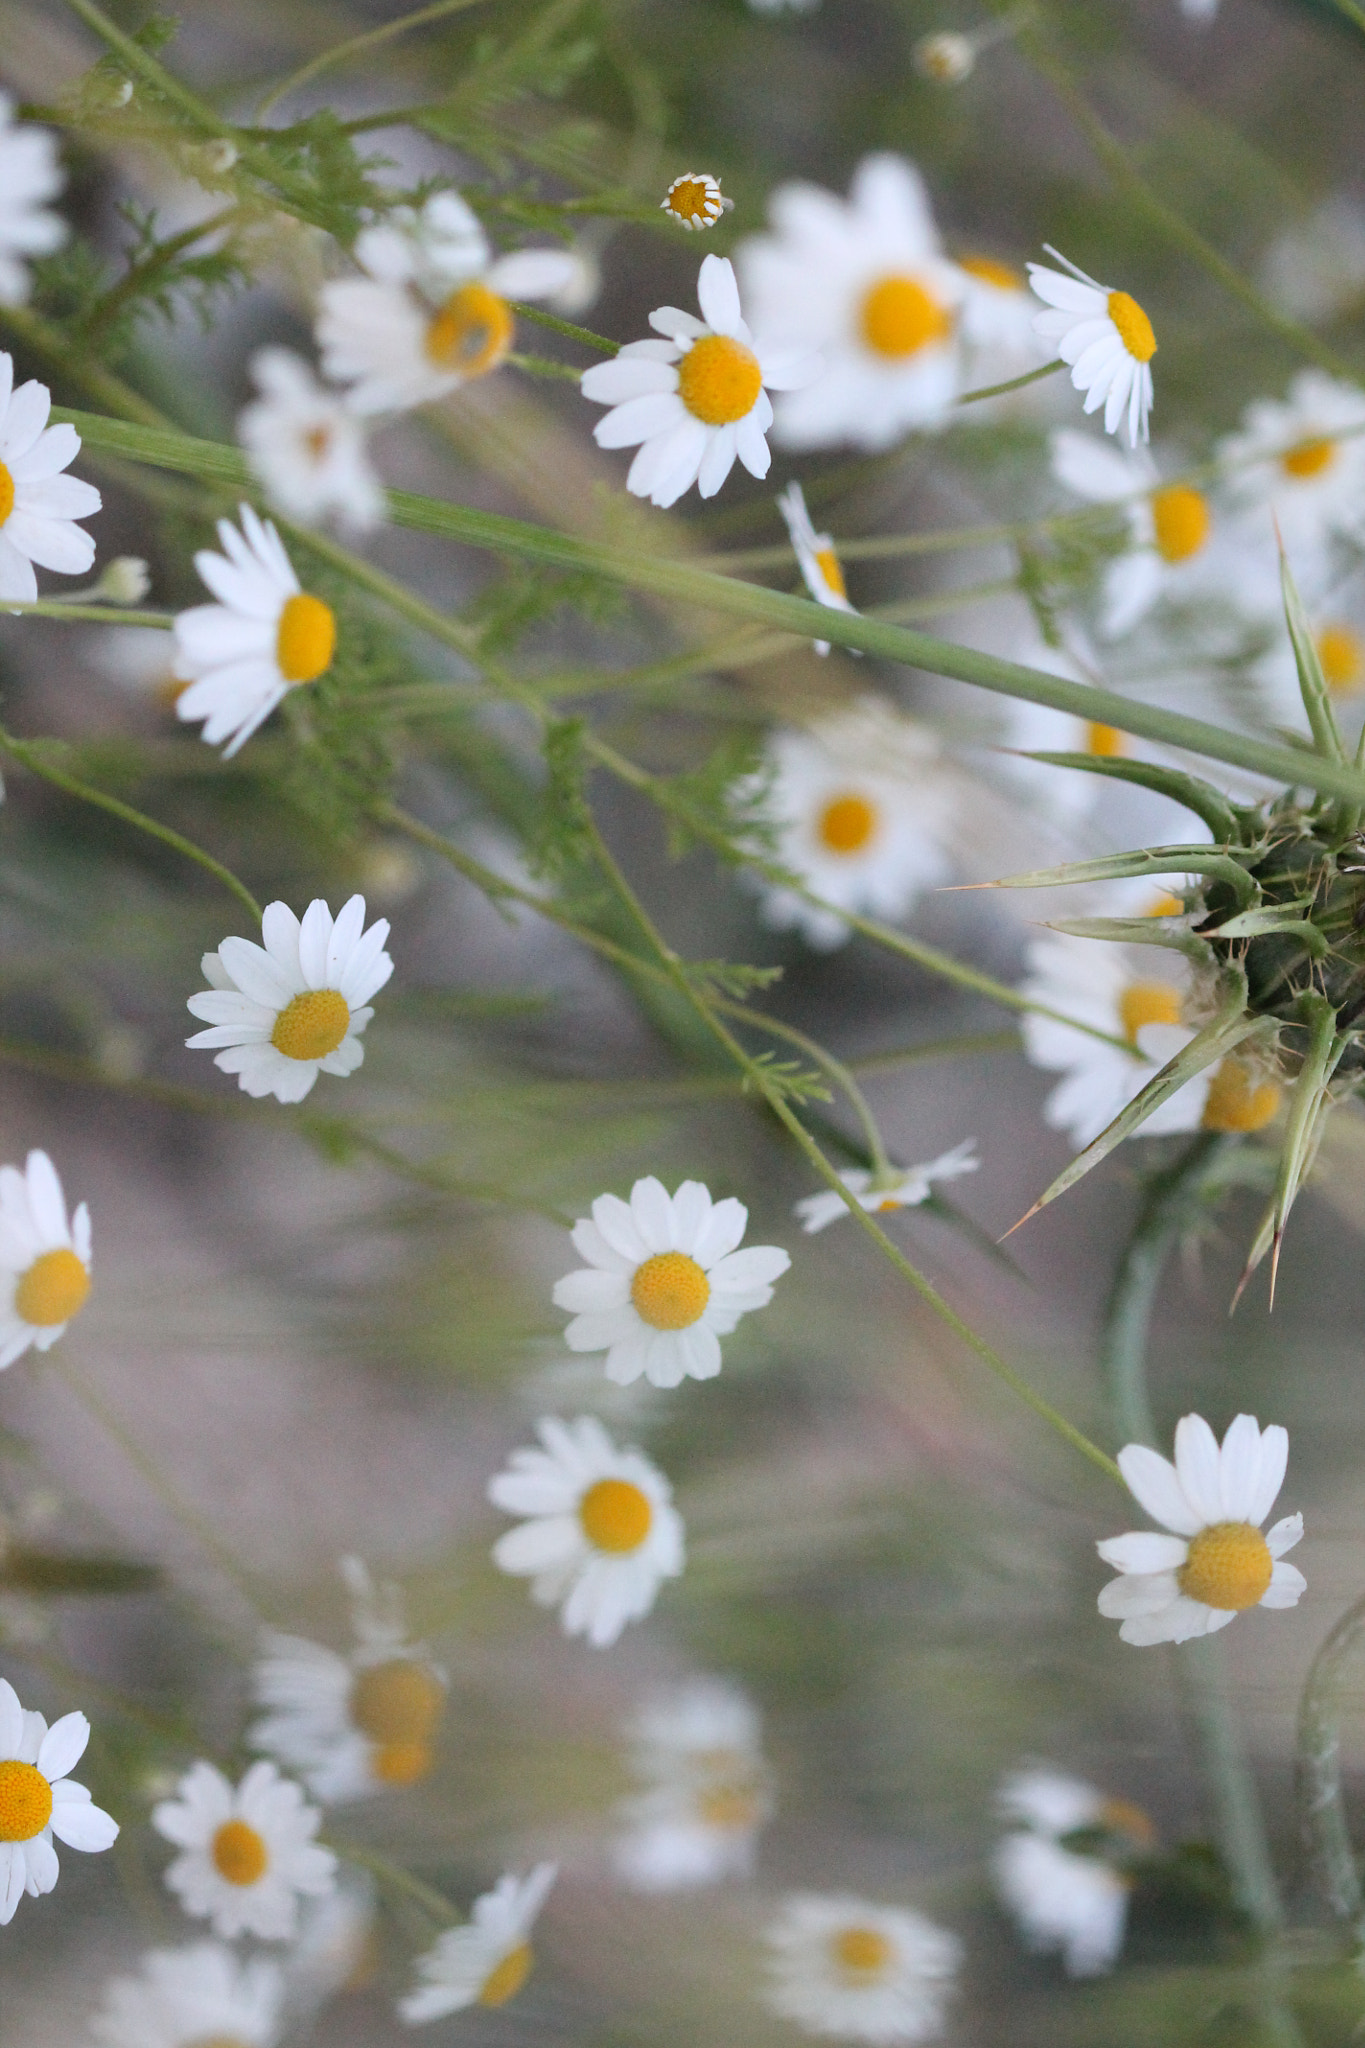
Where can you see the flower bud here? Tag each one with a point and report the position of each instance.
(946, 57)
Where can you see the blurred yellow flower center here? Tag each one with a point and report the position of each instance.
(1135, 329)
(239, 1854)
(615, 1515)
(52, 1290)
(472, 332)
(1105, 741)
(846, 823)
(306, 639)
(1310, 458)
(6, 494)
(397, 1705)
(1181, 518)
(1147, 1002)
(1240, 1099)
(1229, 1567)
(506, 1979)
(832, 569)
(728, 1807)
(670, 1291)
(1166, 905)
(991, 271)
(312, 1025)
(899, 318)
(25, 1802)
(690, 199)
(318, 442)
(861, 1951)
(719, 380)
(1121, 1817)
(1342, 655)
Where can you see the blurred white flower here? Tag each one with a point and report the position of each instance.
(821, 570)
(335, 1949)
(1068, 1897)
(1106, 338)
(126, 580)
(842, 1965)
(247, 1852)
(307, 446)
(44, 1260)
(695, 200)
(487, 1961)
(188, 1997)
(1338, 629)
(708, 1789)
(945, 57)
(1315, 270)
(38, 1800)
(600, 1535)
(1215, 1563)
(582, 284)
(910, 1186)
(997, 321)
(38, 504)
(30, 175)
(1299, 464)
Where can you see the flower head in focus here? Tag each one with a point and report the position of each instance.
(695, 200)
(821, 570)
(188, 1997)
(707, 1789)
(488, 1961)
(906, 1189)
(44, 1260)
(600, 1533)
(842, 1965)
(39, 1801)
(30, 175)
(39, 506)
(1063, 1868)
(1215, 1563)
(664, 1282)
(1297, 464)
(1106, 338)
(307, 446)
(247, 1854)
(295, 1008)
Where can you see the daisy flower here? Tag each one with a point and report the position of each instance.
(262, 639)
(1064, 1869)
(44, 1261)
(696, 200)
(1299, 463)
(336, 1947)
(350, 1725)
(1107, 339)
(905, 1190)
(708, 1789)
(600, 1534)
(696, 399)
(1215, 1562)
(488, 1961)
(996, 320)
(865, 282)
(432, 310)
(821, 569)
(664, 1281)
(842, 1965)
(247, 1853)
(295, 1008)
(38, 1800)
(38, 505)
(189, 1997)
(30, 174)
(307, 447)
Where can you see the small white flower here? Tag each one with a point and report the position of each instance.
(1216, 1562)
(44, 1261)
(38, 1800)
(247, 1853)
(1315, 270)
(187, 1997)
(1300, 462)
(487, 1961)
(865, 282)
(696, 200)
(30, 174)
(295, 1008)
(601, 1532)
(307, 447)
(697, 399)
(38, 504)
(821, 570)
(432, 310)
(699, 1754)
(842, 1965)
(140, 660)
(263, 638)
(335, 1949)
(1107, 339)
(1071, 1896)
(907, 1190)
(664, 1281)
(125, 580)
(348, 1726)
(945, 58)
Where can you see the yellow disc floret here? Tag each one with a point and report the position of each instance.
(472, 332)
(397, 1704)
(616, 1516)
(505, 1980)
(900, 317)
(239, 1854)
(1165, 905)
(1342, 654)
(25, 1801)
(719, 380)
(1135, 329)
(312, 1025)
(52, 1290)
(729, 1808)
(670, 1291)
(991, 271)
(1229, 1567)
(847, 823)
(306, 639)
(1310, 458)
(694, 200)
(1148, 1002)
(832, 569)
(1181, 519)
(862, 1952)
(1105, 742)
(6, 494)
(1240, 1098)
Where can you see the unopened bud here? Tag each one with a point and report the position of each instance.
(125, 580)
(946, 58)
(219, 156)
(122, 93)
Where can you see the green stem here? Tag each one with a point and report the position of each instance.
(105, 614)
(1232, 1784)
(538, 317)
(355, 46)
(1332, 1685)
(1014, 383)
(399, 1880)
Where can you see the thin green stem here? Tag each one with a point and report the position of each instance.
(1014, 383)
(1232, 1785)
(538, 317)
(397, 1879)
(1353, 11)
(105, 311)
(356, 46)
(1332, 1686)
(104, 614)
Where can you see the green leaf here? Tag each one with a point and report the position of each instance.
(1192, 791)
(1317, 698)
(1137, 931)
(40, 1572)
(1308, 1109)
(1215, 861)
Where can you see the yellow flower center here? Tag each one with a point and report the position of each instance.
(1147, 1002)
(312, 1025)
(506, 1978)
(1229, 1567)
(306, 639)
(1135, 329)
(52, 1290)
(1105, 741)
(1121, 1817)
(690, 199)
(670, 1291)
(1165, 905)
(900, 317)
(847, 823)
(615, 1515)
(1310, 458)
(472, 332)
(730, 1808)
(990, 271)
(318, 442)
(397, 1705)
(1343, 659)
(861, 1951)
(1181, 518)
(239, 1855)
(25, 1802)
(719, 380)
(832, 569)
(6, 494)
(1240, 1099)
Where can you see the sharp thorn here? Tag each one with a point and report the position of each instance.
(1022, 1221)
(1275, 1263)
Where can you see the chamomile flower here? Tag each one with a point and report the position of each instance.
(697, 399)
(821, 570)
(664, 1282)
(30, 175)
(708, 1789)
(1215, 1563)
(39, 506)
(308, 447)
(1063, 1870)
(44, 1260)
(864, 281)
(906, 1189)
(842, 1965)
(295, 1008)
(996, 320)
(1106, 338)
(488, 1961)
(38, 1800)
(695, 200)
(1299, 464)
(247, 1852)
(601, 1533)
(432, 311)
(187, 1997)
(348, 1726)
